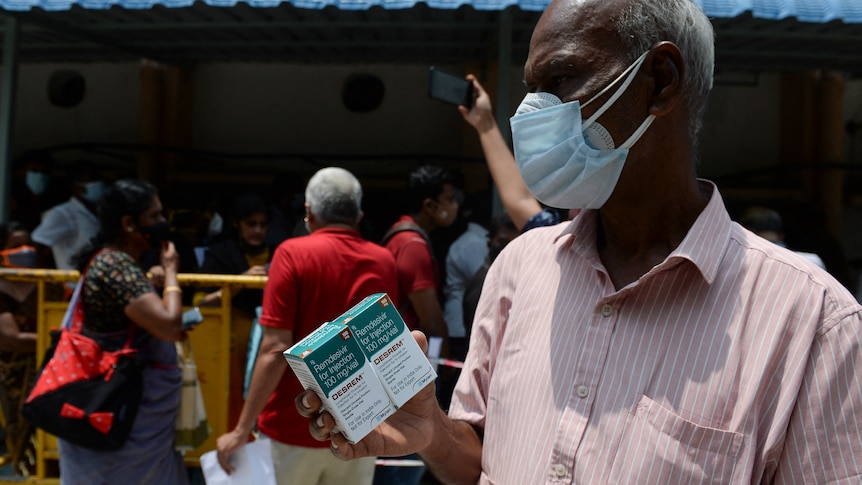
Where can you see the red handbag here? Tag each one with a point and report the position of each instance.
(84, 394)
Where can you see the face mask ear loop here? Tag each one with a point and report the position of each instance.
(631, 72)
(638, 133)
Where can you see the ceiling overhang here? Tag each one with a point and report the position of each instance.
(756, 35)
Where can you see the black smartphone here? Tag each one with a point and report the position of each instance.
(449, 88)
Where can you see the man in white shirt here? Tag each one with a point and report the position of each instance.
(68, 227)
(465, 256)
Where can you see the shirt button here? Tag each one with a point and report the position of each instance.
(607, 310)
(560, 470)
(583, 391)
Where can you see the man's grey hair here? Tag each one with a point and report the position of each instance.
(334, 196)
(647, 22)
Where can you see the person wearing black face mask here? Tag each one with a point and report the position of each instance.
(117, 296)
(162, 232)
(156, 234)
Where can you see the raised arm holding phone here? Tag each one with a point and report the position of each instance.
(517, 200)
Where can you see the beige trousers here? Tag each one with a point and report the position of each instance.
(297, 465)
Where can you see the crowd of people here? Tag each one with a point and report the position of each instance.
(130, 247)
(615, 325)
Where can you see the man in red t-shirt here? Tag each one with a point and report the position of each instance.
(432, 204)
(312, 280)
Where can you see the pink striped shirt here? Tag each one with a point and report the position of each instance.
(733, 361)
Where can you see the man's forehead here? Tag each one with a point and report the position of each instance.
(561, 8)
(575, 26)
(569, 19)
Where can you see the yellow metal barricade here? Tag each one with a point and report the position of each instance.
(220, 344)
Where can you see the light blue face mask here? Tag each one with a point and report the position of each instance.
(565, 161)
(94, 191)
(37, 182)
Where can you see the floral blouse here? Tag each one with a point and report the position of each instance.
(113, 280)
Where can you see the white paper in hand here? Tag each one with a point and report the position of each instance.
(252, 463)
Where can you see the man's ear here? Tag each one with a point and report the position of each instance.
(666, 68)
(429, 205)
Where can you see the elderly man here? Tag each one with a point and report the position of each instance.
(651, 339)
(312, 280)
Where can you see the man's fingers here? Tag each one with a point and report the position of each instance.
(340, 447)
(321, 426)
(307, 404)
(224, 461)
(421, 339)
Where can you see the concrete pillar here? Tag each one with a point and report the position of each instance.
(166, 119)
(798, 136)
(177, 117)
(148, 166)
(7, 111)
(831, 146)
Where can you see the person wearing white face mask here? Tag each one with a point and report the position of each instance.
(564, 160)
(651, 339)
(33, 190)
(68, 227)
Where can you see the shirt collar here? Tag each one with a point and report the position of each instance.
(335, 230)
(704, 244)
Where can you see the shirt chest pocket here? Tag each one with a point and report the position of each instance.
(657, 446)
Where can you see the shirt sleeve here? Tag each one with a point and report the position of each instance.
(469, 402)
(281, 295)
(463, 260)
(547, 217)
(415, 266)
(453, 291)
(824, 438)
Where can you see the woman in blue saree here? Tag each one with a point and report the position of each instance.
(117, 295)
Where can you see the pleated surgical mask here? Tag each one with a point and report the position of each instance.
(568, 162)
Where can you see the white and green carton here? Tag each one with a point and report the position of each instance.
(363, 365)
(330, 362)
(387, 343)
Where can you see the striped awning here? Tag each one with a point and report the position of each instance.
(820, 11)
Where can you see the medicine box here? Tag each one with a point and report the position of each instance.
(387, 343)
(330, 362)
